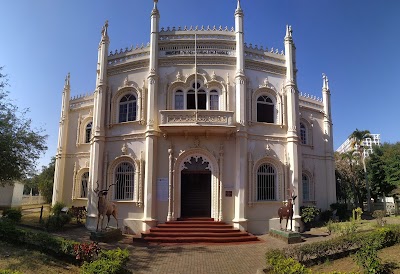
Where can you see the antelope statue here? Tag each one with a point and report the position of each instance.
(287, 212)
(104, 207)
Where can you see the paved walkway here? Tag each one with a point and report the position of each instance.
(199, 258)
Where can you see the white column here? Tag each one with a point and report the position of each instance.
(170, 185)
(293, 149)
(221, 180)
(149, 218)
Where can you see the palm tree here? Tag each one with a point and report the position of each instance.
(350, 159)
(357, 142)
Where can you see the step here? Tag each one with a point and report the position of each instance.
(196, 222)
(201, 239)
(183, 225)
(187, 230)
(194, 234)
(196, 219)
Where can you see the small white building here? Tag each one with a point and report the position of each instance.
(11, 195)
(197, 123)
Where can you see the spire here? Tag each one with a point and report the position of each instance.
(155, 10)
(325, 82)
(238, 8)
(104, 34)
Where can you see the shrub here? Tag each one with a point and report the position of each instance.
(309, 213)
(357, 214)
(310, 253)
(378, 215)
(8, 271)
(13, 214)
(86, 252)
(109, 262)
(331, 226)
(38, 240)
(57, 222)
(279, 264)
(367, 257)
(57, 207)
(341, 210)
(58, 219)
(325, 215)
(347, 228)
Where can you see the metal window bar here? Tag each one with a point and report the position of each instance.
(84, 184)
(124, 177)
(266, 183)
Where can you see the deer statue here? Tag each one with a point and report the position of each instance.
(287, 212)
(104, 207)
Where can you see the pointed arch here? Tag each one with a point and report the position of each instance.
(267, 100)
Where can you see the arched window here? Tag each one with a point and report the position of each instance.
(88, 132)
(84, 185)
(214, 100)
(124, 180)
(179, 99)
(303, 134)
(206, 99)
(127, 108)
(306, 187)
(266, 183)
(265, 109)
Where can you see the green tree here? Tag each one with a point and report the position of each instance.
(384, 169)
(349, 177)
(20, 144)
(45, 180)
(357, 142)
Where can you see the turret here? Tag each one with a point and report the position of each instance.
(290, 56)
(240, 76)
(326, 96)
(62, 142)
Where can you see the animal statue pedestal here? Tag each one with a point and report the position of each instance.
(106, 236)
(290, 237)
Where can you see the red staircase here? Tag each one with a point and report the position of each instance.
(196, 230)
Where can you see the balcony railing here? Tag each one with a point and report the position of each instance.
(199, 118)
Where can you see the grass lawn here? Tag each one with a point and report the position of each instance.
(389, 255)
(30, 261)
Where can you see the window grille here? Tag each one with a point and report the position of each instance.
(214, 100)
(266, 183)
(303, 134)
(124, 179)
(306, 187)
(127, 108)
(84, 184)
(179, 99)
(88, 132)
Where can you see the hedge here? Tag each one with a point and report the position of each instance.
(38, 240)
(317, 252)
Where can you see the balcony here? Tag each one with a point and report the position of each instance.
(215, 121)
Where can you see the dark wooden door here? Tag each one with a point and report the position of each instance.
(196, 194)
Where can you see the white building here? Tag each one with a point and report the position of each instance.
(368, 143)
(196, 123)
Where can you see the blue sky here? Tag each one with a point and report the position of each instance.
(356, 43)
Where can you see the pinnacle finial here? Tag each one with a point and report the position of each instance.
(67, 80)
(155, 4)
(288, 31)
(238, 7)
(104, 29)
(325, 82)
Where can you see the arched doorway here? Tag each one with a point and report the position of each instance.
(196, 188)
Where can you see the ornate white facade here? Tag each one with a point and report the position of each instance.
(231, 147)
